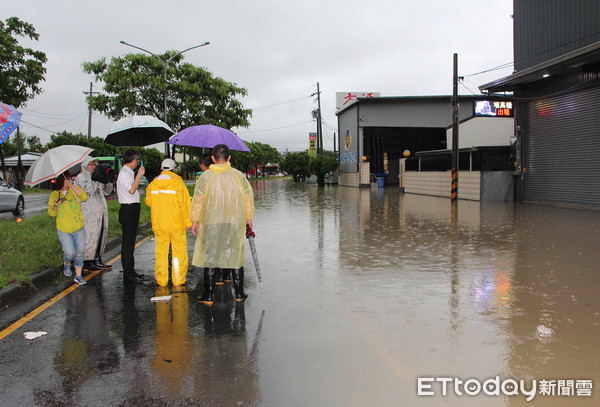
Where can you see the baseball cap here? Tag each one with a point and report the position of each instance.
(168, 164)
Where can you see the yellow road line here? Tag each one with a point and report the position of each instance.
(58, 297)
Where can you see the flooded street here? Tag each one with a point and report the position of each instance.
(367, 290)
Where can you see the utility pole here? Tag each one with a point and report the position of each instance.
(455, 116)
(90, 94)
(318, 117)
(319, 124)
(334, 147)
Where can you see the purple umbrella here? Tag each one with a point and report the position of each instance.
(208, 136)
(9, 121)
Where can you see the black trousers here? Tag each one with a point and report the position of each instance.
(129, 218)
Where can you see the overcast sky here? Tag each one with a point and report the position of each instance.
(278, 50)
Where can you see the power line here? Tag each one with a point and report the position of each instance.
(280, 103)
(329, 126)
(53, 125)
(37, 127)
(41, 114)
(275, 128)
(508, 64)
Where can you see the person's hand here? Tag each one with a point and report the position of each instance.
(249, 223)
(57, 203)
(195, 228)
(141, 171)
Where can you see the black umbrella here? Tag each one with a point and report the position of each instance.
(138, 131)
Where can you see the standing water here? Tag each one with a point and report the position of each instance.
(372, 298)
(371, 289)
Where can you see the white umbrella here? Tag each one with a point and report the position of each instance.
(138, 131)
(54, 162)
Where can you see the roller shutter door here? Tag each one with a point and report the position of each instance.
(563, 149)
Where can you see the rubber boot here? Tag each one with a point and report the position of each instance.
(100, 264)
(219, 276)
(208, 297)
(238, 284)
(227, 275)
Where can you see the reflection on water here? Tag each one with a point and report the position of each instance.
(506, 289)
(172, 343)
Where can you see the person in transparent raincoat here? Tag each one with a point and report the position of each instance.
(222, 205)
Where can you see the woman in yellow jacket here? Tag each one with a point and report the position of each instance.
(65, 204)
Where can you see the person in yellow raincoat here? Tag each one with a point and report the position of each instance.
(222, 205)
(169, 200)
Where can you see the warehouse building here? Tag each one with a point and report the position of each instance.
(556, 89)
(374, 133)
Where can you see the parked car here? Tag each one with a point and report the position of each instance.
(11, 199)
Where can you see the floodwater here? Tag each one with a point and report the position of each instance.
(369, 292)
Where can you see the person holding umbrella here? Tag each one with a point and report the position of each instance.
(129, 213)
(95, 215)
(65, 205)
(222, 206)
(169, 200)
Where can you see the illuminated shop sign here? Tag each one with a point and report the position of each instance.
(494, 108)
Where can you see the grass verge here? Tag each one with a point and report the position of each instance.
(32, 245)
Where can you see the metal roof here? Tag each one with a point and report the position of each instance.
(575, 59)
(26, 158)
(384, 99)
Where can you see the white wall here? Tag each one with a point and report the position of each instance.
(483, 131)
(438, 183)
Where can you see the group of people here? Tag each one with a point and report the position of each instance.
(222, 206)
(81, 219)
(218, 212)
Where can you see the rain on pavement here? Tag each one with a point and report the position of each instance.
(366, 290)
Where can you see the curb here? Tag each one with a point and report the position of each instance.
(17, 292)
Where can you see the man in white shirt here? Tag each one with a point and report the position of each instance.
(129, 213)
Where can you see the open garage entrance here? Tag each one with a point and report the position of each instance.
(384, 146)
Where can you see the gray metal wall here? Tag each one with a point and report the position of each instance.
(562, 147)
(412, 112)
(546, 29)
(349, 157)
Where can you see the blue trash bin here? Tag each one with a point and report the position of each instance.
(380, 182)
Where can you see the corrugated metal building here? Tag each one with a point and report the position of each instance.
(556, 87)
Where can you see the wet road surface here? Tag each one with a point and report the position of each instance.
(367, 290)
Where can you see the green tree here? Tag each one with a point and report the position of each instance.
(296, 164)
(260, 154)
(152, 159)
(34, 144)
(190, 166)
(243, 160)
(29, 144)
(265, 154)
(322, 166)
(101, 149)
(135, 84)
(21, 71)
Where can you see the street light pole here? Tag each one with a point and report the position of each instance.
(165, 65)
